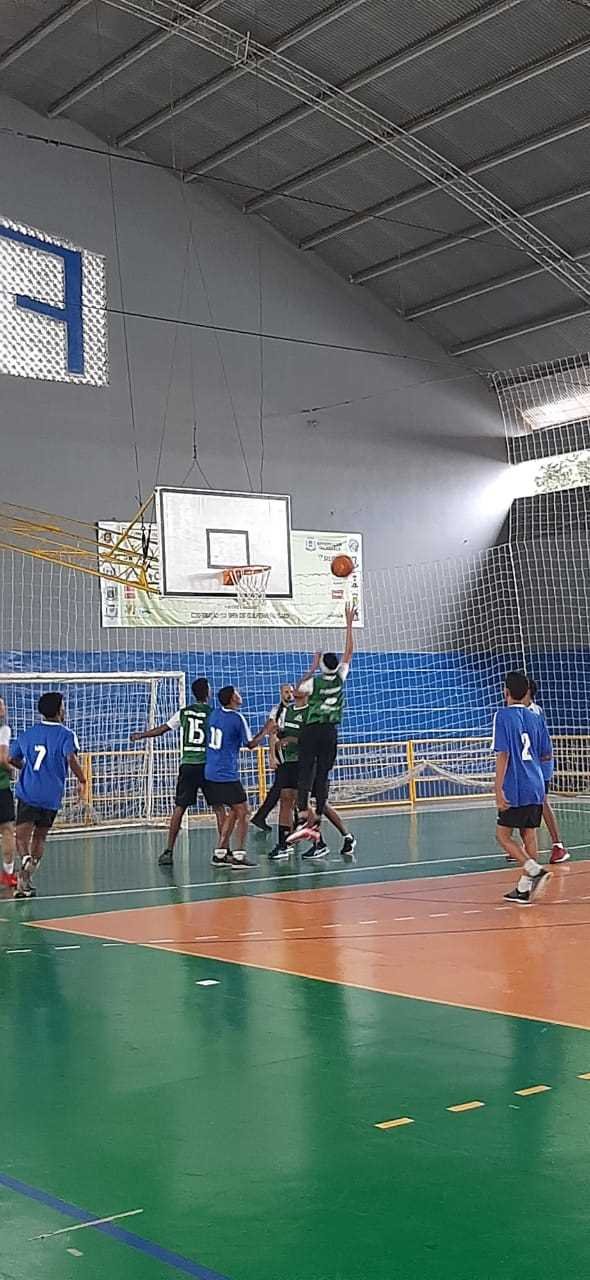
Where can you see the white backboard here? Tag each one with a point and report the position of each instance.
(202, 532)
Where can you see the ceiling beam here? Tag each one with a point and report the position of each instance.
(475, 232)
(518, 331)
(464, 103)
(301, 32)
(486, 286)
(409, 54)
(39, 33)
(114, 68)
(242, 51)
(423, 192)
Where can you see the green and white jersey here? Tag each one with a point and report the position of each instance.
(292, 723)
(192, 722)
(5, 777)
(326, 696)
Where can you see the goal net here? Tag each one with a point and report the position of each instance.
(128, 783)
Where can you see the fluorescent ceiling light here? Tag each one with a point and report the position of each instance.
(569, 409)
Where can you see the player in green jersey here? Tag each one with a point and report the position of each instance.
(318, 741)
(192, 722)
(287, 778)
(7, 876)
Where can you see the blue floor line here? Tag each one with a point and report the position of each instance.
(176, 1260)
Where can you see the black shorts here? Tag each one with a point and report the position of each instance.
(287, 775)
(31, 814)
(191, 780)
(228, 793)
(526, 817)
(6, 806)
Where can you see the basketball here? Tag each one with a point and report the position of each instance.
(342, 566)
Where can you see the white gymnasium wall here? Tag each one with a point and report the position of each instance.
(411, 450)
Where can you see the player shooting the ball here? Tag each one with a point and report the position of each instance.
(318, 741)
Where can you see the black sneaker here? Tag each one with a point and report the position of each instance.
(166, 858)
(279, 851)
(28, 891)
(220, 858)
(239, 861)
(520, 896)
(318, 850)
(261, 825)
(539, 883)
(348, 847)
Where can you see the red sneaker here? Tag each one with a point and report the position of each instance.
(558, 854)
(7, 879)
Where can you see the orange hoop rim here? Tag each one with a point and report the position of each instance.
(233, 572)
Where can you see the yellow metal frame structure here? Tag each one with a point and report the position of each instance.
(78, 545)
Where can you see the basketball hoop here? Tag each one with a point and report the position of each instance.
(250, 582)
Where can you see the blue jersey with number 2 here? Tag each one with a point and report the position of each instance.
(44, 749)
(524, 736)
(227, 733)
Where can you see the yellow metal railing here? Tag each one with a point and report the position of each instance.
(366, 775)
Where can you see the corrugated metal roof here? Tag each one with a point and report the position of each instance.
(351, 42)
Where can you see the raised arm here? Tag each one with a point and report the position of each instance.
(317, 657)
(350, 614)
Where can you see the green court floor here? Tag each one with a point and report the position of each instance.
(240, 1117)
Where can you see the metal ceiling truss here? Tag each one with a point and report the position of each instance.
(415, 194)
(478, 290)
(220, 82)
(475, 232)
(359, 81)
(519, 330)
(465, 102)
(39, 33)
(122, 63)
(242, 51)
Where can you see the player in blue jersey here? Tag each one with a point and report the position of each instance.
(228, 732)
(43, 754)
(559, 852)
(521, 742)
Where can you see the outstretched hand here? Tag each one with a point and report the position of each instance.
(136, 737)
(350, 613)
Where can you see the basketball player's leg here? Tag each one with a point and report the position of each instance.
(32, 828)
(233, 799)
(288, 780)
(349, 841)
(559, 852)
(7, 837)
(534, 878)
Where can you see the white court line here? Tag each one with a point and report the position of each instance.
(298, 929)
(292, 875)
(20, 951)
(75, 1253)
(72, 946)
(81, 1226)
(113, 944)
(396, 919)
(474, 911)
(367, 922)
(252, 933)
(437, 915)
(214, 937)
(339, 925)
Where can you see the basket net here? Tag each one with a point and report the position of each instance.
(250, 581)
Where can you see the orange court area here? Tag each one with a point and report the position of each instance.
(446, 939)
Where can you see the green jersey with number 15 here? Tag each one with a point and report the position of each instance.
(192, 722)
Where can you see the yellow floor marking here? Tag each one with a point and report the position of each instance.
(585, 1076)
(394, 1124)
(537, 1088)
(467, 1106)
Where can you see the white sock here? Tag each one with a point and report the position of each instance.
(524, 884)
(240, 854)
(531, 867)
(9, 868)
(557, 844)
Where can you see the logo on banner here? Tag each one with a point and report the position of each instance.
(52, 308)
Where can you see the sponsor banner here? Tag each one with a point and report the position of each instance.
(318, 597)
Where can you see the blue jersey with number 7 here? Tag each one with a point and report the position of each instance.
(43, 752)
(524, 736)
